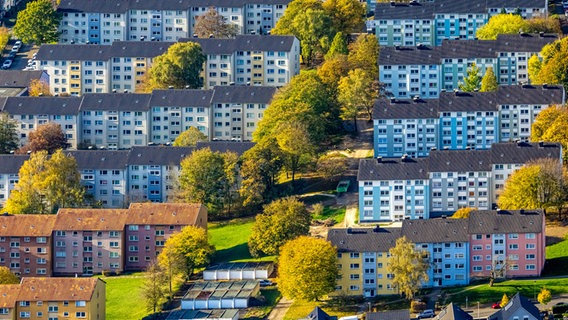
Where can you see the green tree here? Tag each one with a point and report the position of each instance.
(364, 54)
(8, 133)
(543, 24)
(551, 125)
(38, 23)
(553, 69)
(504, 300)
(49, 137)
(259, 170)
(347, 15)
(281, 220)
(544, 296)
(46, 184)
(179, 67)
(331, 165)
(190, 246)
(472, 81)
(189, 138)
(463, 213)
(489, 81)
(332, 70)
(212, 24)
(338, 46)
(4, 36)
(534, 66)
(409, 267)
(506, 23)
(307, 268)
(297, 148)
(7, 277)
(356, 93)
(153, 287)
(204, 178)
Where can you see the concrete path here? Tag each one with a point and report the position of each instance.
(280, 309)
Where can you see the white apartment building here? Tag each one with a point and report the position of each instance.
(247, 59)
(167, 20)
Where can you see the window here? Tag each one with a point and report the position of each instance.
(81, 314)
(80, 303)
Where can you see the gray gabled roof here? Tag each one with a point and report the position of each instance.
(226, 146)
(244, 43)
(319, 314)
(505, 221)
(405, 109)
(453, 312)
(523, 42)
(459, 161)
(529, 94)
(468, 49)
(469, 101)
(81, 52)
(363, 239)
(435, 230)
(181, 98)
(396, 10)
(398, 55)
(11, 163)
(42, 105)
(517, 302)
(115, 101)
(522, 152)
(243, 94)
(158, 155)
(393, 169)
(18, 78)
(389, 315)
(100, 159)
(138, 49)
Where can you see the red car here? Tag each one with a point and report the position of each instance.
(496, 305)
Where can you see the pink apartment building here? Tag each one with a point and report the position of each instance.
(88, 241)
(25, 244)
(514, 239)
(149, 225)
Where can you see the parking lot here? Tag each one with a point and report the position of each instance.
(20, 58)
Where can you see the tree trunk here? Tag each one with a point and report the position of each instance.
(491, 281)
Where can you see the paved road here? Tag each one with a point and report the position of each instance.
(280, 309)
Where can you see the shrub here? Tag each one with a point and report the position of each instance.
(417, 306)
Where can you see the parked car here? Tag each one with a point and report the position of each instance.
(428, 313)
(17, 45)
(11, 55)
(7, 64)
(496, 305)
(265, 283)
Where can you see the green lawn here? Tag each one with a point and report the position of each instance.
(485, 294)
(333, 212)
(230, 241)
(556, 259)
(124, 297)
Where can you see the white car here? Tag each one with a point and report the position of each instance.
(7, 64)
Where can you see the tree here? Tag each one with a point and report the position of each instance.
(505, 23)
(472, 81)
(520, 191)
(191, 247)
(463, 213)
(504, 300)
(4, 36)
(553, 69)
(364, 54)
(338, 46)
(489, 81)
(281, 220)
(551, 125)
(189, 138)
(179, 67)
(153, 287)
(7, 277)
(8, 133)
(347, 16)
(543, 24)
(544, 296)
(297, 148)
(331, 165)
(534, 66)
(212, 24)
(356, 93)
(409, 267)
(38, 23)
(46, 184)
(332, 70)
(38, 88)
(307, 268)
(48, 137)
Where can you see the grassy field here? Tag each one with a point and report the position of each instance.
(485, 294)
(556, 259)
(124, 297)
(230, 241)
(331, 212)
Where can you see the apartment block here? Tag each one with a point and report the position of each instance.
(54, 298)
(25, 244)
(170, 20)
(392, 189)
(116, 178)
(459, 120)
(259, 60)
(457, 250)
(426, 71)
(430, 22)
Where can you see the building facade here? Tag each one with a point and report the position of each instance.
(459, 120)
(170, 20)
(392, 189)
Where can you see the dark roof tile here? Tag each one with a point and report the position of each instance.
(435, 230)
(363, 239)
(505, 221)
